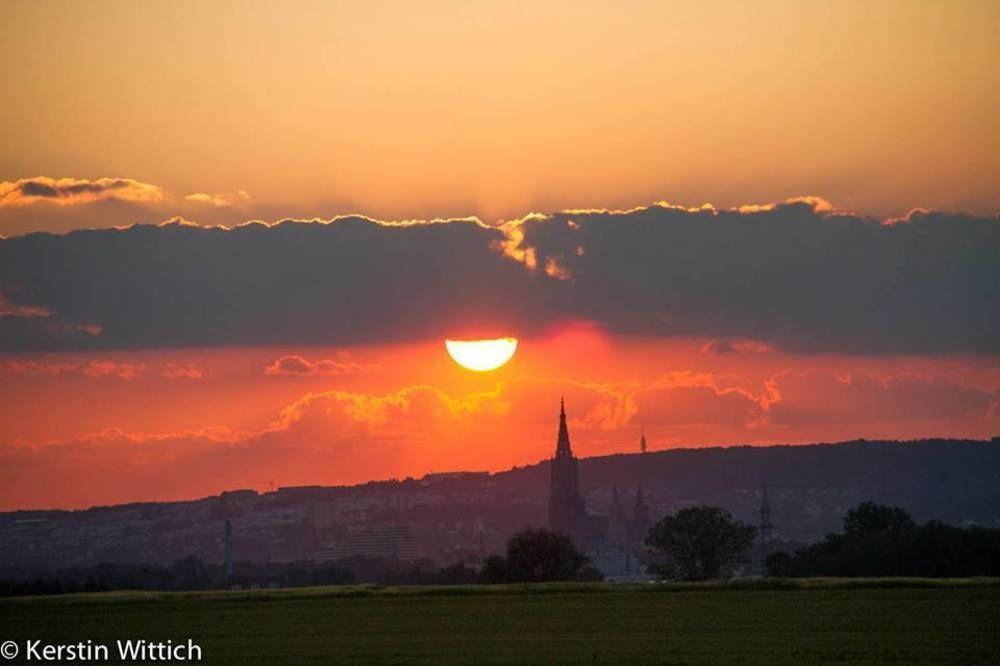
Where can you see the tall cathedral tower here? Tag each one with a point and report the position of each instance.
(566, 509)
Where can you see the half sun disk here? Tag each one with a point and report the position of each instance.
(481, 355)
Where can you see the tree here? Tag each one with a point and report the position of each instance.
(883, 541)
(190, 573)
(779, 564)
(456, 574)
(699, 543)
(538, 555)
(871, 518)
(494, 570)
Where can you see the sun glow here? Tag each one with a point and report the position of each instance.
(481, 355)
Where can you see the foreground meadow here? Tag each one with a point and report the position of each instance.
(889, 621)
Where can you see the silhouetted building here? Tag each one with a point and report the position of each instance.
(639, 527)
(618, 522)
(625, 530)
(619, 545)
(566, 509)
(388, 542)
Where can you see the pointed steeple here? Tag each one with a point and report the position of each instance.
(640, 501)
(642, 440)
(567, 512)
(563, 449)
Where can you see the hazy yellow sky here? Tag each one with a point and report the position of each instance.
(413, 109)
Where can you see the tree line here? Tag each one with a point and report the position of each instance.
(882, 540)
(192, 573)
(691, 544)
(706, 542)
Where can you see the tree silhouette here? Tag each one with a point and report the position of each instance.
(871, 518)
(699, 543)
(538, 555)
(884, 541)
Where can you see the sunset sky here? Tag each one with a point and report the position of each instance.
(720, 222)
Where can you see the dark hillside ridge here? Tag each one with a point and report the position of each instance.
(456, 515)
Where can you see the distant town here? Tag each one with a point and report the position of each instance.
(442, 519)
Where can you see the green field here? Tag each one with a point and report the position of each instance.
(874, 621)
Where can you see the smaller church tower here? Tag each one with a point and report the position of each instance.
(642, 440)
(618, 522)
(639, 527)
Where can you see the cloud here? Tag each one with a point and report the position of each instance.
(297, 365)
(219, 200)
(796, 275)
(113, 369)
(8, 309)
(74, 191)
(793, 276)
(178, 221)
(351, 280)
(37, 368)
(817, 204)
(823, 397)
(696, 405)
(97, 369)
(328, 437)
(735, 346)
(181, 371)
(35, 328)
(346, 437)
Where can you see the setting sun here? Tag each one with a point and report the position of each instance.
(481, 355)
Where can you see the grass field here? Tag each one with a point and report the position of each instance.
(814, 621)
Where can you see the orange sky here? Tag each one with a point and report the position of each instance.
(187, 423)
(404, 110)
(223, 112)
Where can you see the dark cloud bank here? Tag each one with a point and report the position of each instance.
(794, 275)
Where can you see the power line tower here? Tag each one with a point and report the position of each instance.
(228, 566)
(765, 530)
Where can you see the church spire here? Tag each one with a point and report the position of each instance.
(642, 440)
(567, 512)
(563, 449)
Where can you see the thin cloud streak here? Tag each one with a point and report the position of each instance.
(75, 191)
